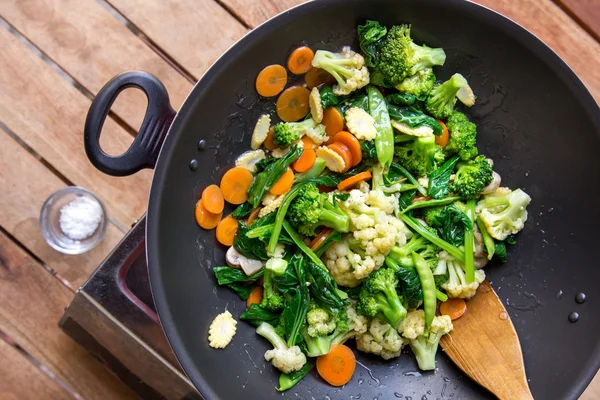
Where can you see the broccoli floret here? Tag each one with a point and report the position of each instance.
(378, 297)
(287, 133)
(311, 209)
(272, 300)
(472, 177)
(284, 358)
(423, 343)
(503, 212)
(442, 98)
(418, 244)
(463, 134)
(348, 68)
(419, 84)
(420, 156)
(400, 57)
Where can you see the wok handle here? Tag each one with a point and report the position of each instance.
(144, 150)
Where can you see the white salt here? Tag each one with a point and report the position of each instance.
(80, 218)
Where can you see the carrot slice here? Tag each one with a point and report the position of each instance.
(306, 160)
(333, 121)
(337, 366)
(352, 144)
(235, 184)
(283, 184)
(205, 218)
(253, 215)
(344, 152)
(269, 142)
(271, 80)
(445, 137)
(300, 60)
(454, 308)
(320, 238)
(308, 143)
(255, 296)
(292, 104)
(226, 230)
(351, 182)
(212, 199)
(317, 77)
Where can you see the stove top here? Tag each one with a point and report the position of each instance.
(114, 318)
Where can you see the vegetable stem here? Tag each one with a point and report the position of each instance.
(469, 244)
(302, 246)
(421, 230)
(488, 241)
(431, 203)
(411, 179)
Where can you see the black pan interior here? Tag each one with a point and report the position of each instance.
(536, 120)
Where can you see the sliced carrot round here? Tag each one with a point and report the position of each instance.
(253, 215)
(320, 238)
(205, 218)
(226, 229)
(235, 184)
(308, 143)
(283, 184)
(445, 137)
(306, 160)
(300, 60)
(292, 104)
(212, 199)
(454, 308)
(255, 296)
(352, 144)
(344, 152)
(317, 77)
(351, 182)
(269, 142)
(337, 366)
(271, 80)
(333, 121)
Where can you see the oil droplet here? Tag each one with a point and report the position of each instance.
(424, 397)
(361, 381)
(201, 144)
(580, 298)
(559, 295)
(398, 395)
(194, 165)
(446, 379)
(412, 373)
(574, 317)
(503, 315)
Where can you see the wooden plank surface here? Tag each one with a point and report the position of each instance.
(32, 303)
(47, 113)
(24, 186)
(586, 12)
(88, 42)
(193, 32)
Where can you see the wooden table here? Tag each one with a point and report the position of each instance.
(56, 55)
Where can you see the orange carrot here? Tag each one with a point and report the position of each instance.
(320, 238)
(337, 366)
(445, 137)
(344, 152)
(205, 218)
(269, 141)
(317, 77)
(292, 104)
(333, 121)
(212, 199)
(306, 160)
(352, 144)
(283, 184)
(226, 230)
(253, 215)
(271, 80)
(308, 143)
(300, 60)
(255, 296)
(454, 308)
(351, 182)
(235, 184)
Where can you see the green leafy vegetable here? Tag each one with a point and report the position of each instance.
(288, 381)
(236, 280)
(414, 118)
(328, 98)
(450, 222)
(405, 199)
(500, 252)
(424, 231)
(431, 203)
(439, 180)
(397, 170)
(401, 99)
(296, 307)
(242, 211)
(369, 35)
(257, 315)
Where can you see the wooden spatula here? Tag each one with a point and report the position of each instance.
(485, 346)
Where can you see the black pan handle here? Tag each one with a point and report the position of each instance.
(144, 150)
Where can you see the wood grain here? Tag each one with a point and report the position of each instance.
(32, 303)
(47, 113)
(193, 32)
(24, 186)
(21, 380)
(586, 12)
(254, 13)
(93, 46)
(485, 346)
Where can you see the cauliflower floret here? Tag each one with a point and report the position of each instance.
(347, 67)
(381, 339)
(316, 107)
(284, 358)
(503, 213)
(424, 344)
(221, 330)
(261, 129)
(456, 286)
(339, 266)
(360, 124)
(317, 134)
(413, 325)
(357, 323)
(363, 221)
(249, 159)
(333, 160)
(421, 131)
(271, 203)
(320, 322)
(387, 204)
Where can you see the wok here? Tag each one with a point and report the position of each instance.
(535, 118)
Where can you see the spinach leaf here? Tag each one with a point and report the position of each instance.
(257, 315)
(322, 287)
(354, 292)
(369, 35)
(289, 279)
(401, 99)
(359, 99)
(397, 171)
(500, 251)
(409, 285)
(249, 247)
(511, 239)
(325, 180)
(242, 211)
(439, 180)
(406, 199)
(296, 307)
(288, 381)
(414, 118)
(328, 98)
(451, 223)
(236, 280)
(264, 163)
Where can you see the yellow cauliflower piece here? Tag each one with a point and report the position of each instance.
(360, 124)
(221, 330)
(333, 160)
(316, 108)
(261, 129)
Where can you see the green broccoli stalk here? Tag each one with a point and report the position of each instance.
(463, 134)
(323, 330)
(311, 209)
(470, 243)
(442, 98)
(421, 156)
(348, 68)
(417, 244)
(504, 212)
(419, 84)
(378, 297)
(425, 346)
(287, 133)
(320, 345)
(472, 177)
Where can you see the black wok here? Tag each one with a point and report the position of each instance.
(536, 119)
